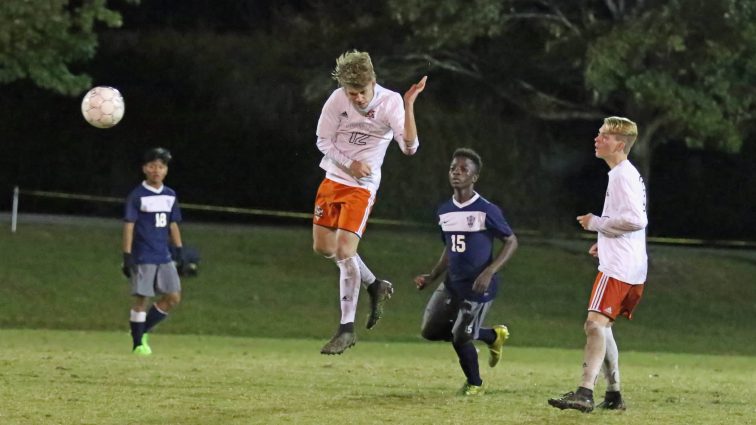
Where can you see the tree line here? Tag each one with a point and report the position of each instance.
(235, 90)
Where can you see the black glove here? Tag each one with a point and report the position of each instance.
(178, 258)
(128, 264)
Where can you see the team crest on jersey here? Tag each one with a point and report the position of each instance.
(318, 212)
(370, 114)
(470, 221)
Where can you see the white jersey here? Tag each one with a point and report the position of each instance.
(346, 133)
(622, 226)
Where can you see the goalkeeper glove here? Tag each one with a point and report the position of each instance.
(128, 264)
(178, 258)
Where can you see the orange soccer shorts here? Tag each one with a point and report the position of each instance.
(342, 207)
(612, 297)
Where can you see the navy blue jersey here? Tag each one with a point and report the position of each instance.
(469, 230)
(152, 211)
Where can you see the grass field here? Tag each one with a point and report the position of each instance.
(243, 345)
(75, 377)
(266, 282)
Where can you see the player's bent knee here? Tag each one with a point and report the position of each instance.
(460, 336)
(169, 301)
(435, 331)
(323, 250)
(591, 326)
(344, 253)
(431, 334)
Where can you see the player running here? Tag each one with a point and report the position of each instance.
(621, 250)
(355, 128)
(151, 218)
(456, 310)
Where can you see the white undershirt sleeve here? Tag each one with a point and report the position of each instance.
(328, 124)
(632, 215)
(333, 153)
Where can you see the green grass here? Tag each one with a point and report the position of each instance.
(242, 348)
(79, 377)
(266, 282)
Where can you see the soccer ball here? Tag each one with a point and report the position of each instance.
(103, 106)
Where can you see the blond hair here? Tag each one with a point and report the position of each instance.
(626, 130)
(354, 69)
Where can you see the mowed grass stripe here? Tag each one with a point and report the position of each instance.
(74, 377)
(260, 281)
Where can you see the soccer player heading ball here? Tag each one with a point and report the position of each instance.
(621, 250)
(358, 122)
(151, 218)
(456, 310)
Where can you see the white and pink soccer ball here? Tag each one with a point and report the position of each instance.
(103, 106)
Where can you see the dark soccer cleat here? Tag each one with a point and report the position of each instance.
(339, 343)
(573, 400)
(380, 291)
(612, 401)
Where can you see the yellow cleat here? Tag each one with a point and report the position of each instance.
(146, 341)
(142, 350)
(502, 335)
(471, 390)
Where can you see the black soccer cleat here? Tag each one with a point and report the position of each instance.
(574, 400)
(339, 343)
(612, 401)
(380, 291)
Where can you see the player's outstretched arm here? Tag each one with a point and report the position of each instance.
(410, 128)
(421, 281)
(411, 95)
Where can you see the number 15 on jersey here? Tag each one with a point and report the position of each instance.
(458, 243)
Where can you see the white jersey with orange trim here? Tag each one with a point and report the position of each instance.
(622, 226)
(346, 134)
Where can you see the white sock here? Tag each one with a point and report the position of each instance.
(595, 351)
(611, 362)
(137, 316)
(349, 287)
(366, 275)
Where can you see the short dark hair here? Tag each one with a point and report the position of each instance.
(472, 155)
(157, 153)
